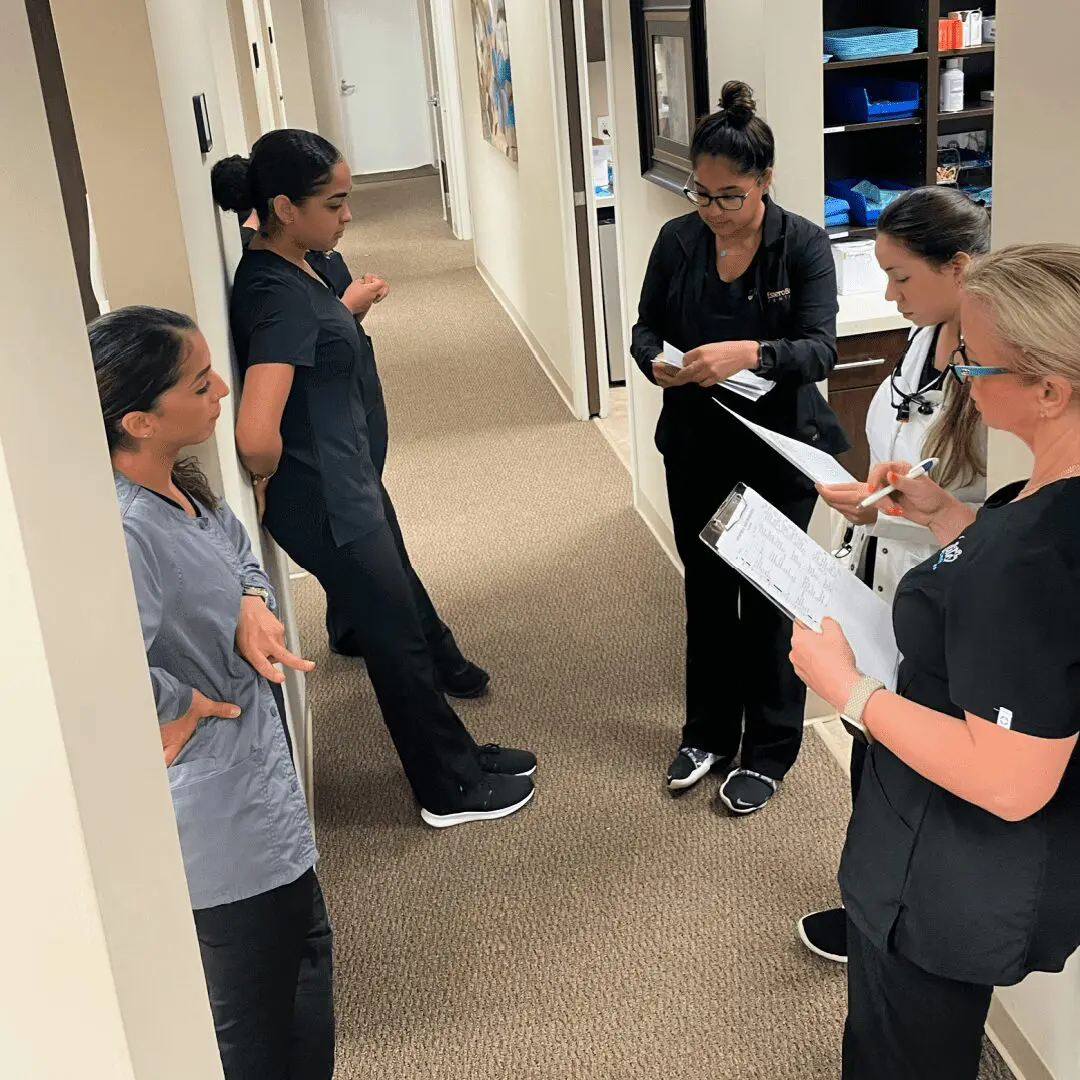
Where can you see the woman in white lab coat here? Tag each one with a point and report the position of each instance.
(925, 239)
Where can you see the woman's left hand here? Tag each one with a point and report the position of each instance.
(260, 640)
(710, 364)
(825, 661)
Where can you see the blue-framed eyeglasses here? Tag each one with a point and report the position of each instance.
(966, 370)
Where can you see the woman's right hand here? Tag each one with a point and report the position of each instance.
(845, 499)
(664, 374)
(176, 733)
(919, 500)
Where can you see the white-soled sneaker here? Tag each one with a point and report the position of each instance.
(494, 797)
(688, 767)
(745, 791)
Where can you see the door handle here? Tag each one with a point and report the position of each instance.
(433, 101)
(853, 364)
(347, 87)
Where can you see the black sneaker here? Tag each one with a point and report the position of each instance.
(505, 760)
(494, 797)
(825, 933)
(688, 767)
(744, 791)
(467, 681)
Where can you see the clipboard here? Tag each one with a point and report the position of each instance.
(802, 579)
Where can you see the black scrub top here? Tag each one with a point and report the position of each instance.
(333, 428)
(990, 625)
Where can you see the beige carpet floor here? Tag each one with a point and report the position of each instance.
(608, 931)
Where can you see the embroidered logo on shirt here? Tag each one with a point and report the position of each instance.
(779, 294)
(1004, 717)
(949, 554)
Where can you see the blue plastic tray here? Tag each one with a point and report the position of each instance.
(866, 42)
(861, 213)
(864, 99)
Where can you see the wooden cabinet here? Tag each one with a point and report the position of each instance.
(865, 361)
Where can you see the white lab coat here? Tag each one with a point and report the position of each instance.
(901, 544)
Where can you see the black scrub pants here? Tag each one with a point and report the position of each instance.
(903, 1022)
(269, 974)
(740, 685)
(371, 583)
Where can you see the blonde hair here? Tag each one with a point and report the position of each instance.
(1033, 293)
(957, 439)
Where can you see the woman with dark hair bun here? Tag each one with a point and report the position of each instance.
(312, 431)
(739, 285)
(926, 239)
(212, 638)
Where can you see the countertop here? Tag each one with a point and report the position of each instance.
(868, 313)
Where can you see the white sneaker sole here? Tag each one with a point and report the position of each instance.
(445, 821)
(694, 777)
(816, 951)
(742, 811)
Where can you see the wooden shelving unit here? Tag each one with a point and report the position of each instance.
(909, 153)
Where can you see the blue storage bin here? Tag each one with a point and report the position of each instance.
(862, 212)
(837, 212)
(862, 99)
(866, 42)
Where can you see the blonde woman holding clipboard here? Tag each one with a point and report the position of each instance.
(925, 240)
(961, 869)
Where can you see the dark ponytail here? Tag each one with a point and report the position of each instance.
(937, 224)
(138, 353)
(286, 162)
(736, 132)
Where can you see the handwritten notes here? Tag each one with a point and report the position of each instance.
(803, 579)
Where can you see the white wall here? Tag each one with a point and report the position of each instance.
(103, 973)
(518, 215)
(598, 95)
(324, 76)
(1032, 66)
(379, 49)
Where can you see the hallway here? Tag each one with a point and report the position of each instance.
(608, 931)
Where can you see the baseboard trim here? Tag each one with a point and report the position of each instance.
(1012, 1044)
(659, 528)
(535, 347)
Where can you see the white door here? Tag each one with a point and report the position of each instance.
(380, 60)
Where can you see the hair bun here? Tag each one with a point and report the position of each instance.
(737, 103)
(230, 184)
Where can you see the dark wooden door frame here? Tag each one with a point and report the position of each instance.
(65, 146)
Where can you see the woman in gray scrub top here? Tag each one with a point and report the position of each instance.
(212, 639)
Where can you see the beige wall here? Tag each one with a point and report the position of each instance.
(517, 211)
(324, 77)
(1035, 67)
(104, 975)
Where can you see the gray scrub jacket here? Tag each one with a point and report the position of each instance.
(240, 812)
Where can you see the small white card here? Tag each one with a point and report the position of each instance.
(671, 356)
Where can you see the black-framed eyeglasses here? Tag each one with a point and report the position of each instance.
(725, 202)
(965, 369)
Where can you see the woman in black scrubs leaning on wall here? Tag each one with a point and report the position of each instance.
(738, 285)
(311, 429)
(961, 870)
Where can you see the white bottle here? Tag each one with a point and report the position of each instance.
(951, 98)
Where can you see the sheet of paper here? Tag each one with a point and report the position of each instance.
(672, 356)
(822, 468)
(805, 581)
(745, 383)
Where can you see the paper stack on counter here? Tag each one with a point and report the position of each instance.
(744, 383)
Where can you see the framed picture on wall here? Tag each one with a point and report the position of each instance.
(671, 75)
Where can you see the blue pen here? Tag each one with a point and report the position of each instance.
(920, 470)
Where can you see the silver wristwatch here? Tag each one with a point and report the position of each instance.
(259, 591)
(860, 694)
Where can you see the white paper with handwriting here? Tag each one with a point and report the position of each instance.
(803, 579)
